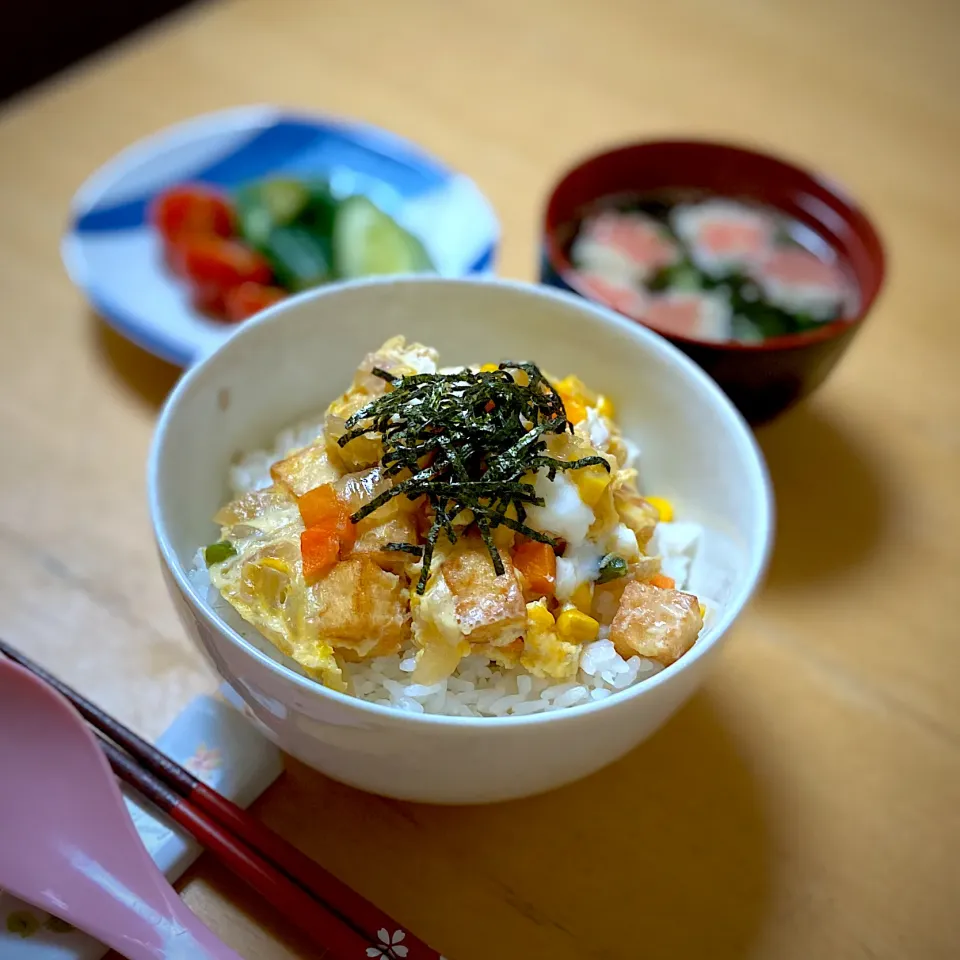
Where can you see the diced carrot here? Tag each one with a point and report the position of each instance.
(319, 550)
(322, 509)
(537, 564)
(320, 506)
(663, 581)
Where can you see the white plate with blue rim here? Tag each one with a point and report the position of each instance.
(115, 256)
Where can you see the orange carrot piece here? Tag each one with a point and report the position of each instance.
(322, 509)
(537, 564)
(320, 506)
(319, 550)
(663, 581)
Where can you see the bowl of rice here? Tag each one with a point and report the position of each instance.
(455, 541)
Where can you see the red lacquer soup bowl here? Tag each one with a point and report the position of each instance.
(762, 378)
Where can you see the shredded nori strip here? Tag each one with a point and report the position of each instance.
(464, 441)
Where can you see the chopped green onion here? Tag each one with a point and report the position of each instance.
(612, 567)
(218, 552)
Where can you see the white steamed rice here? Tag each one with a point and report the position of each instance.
(478, 688)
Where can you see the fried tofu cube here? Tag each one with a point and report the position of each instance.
(656, 623)
(394, 522)
(489, 608)
(361, 609)
(305, 469)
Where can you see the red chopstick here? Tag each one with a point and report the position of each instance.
(326, 930)
(277, 869)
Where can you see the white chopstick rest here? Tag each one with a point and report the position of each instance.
(216, 745)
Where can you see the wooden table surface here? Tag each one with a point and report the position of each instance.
(805, 805)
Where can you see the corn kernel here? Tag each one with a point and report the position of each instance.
(275, 563)
(582, 597)
(489, 368)
(605, 407)
(703, 611)
(576, 627)
(663, 507)
(539, 616)
(591, 483)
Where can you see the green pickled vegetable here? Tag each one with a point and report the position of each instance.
(612, 567)
(310, 237)
(321, 208)
(285, 199)
(218, 552)
(268, 204)
(299, 257)
(367, 241)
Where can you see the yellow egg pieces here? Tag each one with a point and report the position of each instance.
(578, 397)
(545, 652)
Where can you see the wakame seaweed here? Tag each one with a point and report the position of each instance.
(464, 441)
(752, 313)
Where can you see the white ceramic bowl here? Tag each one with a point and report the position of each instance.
(291, 361)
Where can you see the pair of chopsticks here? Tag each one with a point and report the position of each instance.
(337, 919)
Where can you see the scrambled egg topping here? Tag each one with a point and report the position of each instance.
(327, 590)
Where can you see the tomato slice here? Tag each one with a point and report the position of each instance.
(210, 300)
(216, 262)
(250, 298)
(193, 209)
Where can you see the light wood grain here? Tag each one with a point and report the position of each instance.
(805, 804)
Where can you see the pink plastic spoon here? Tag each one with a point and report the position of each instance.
(67, 843)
